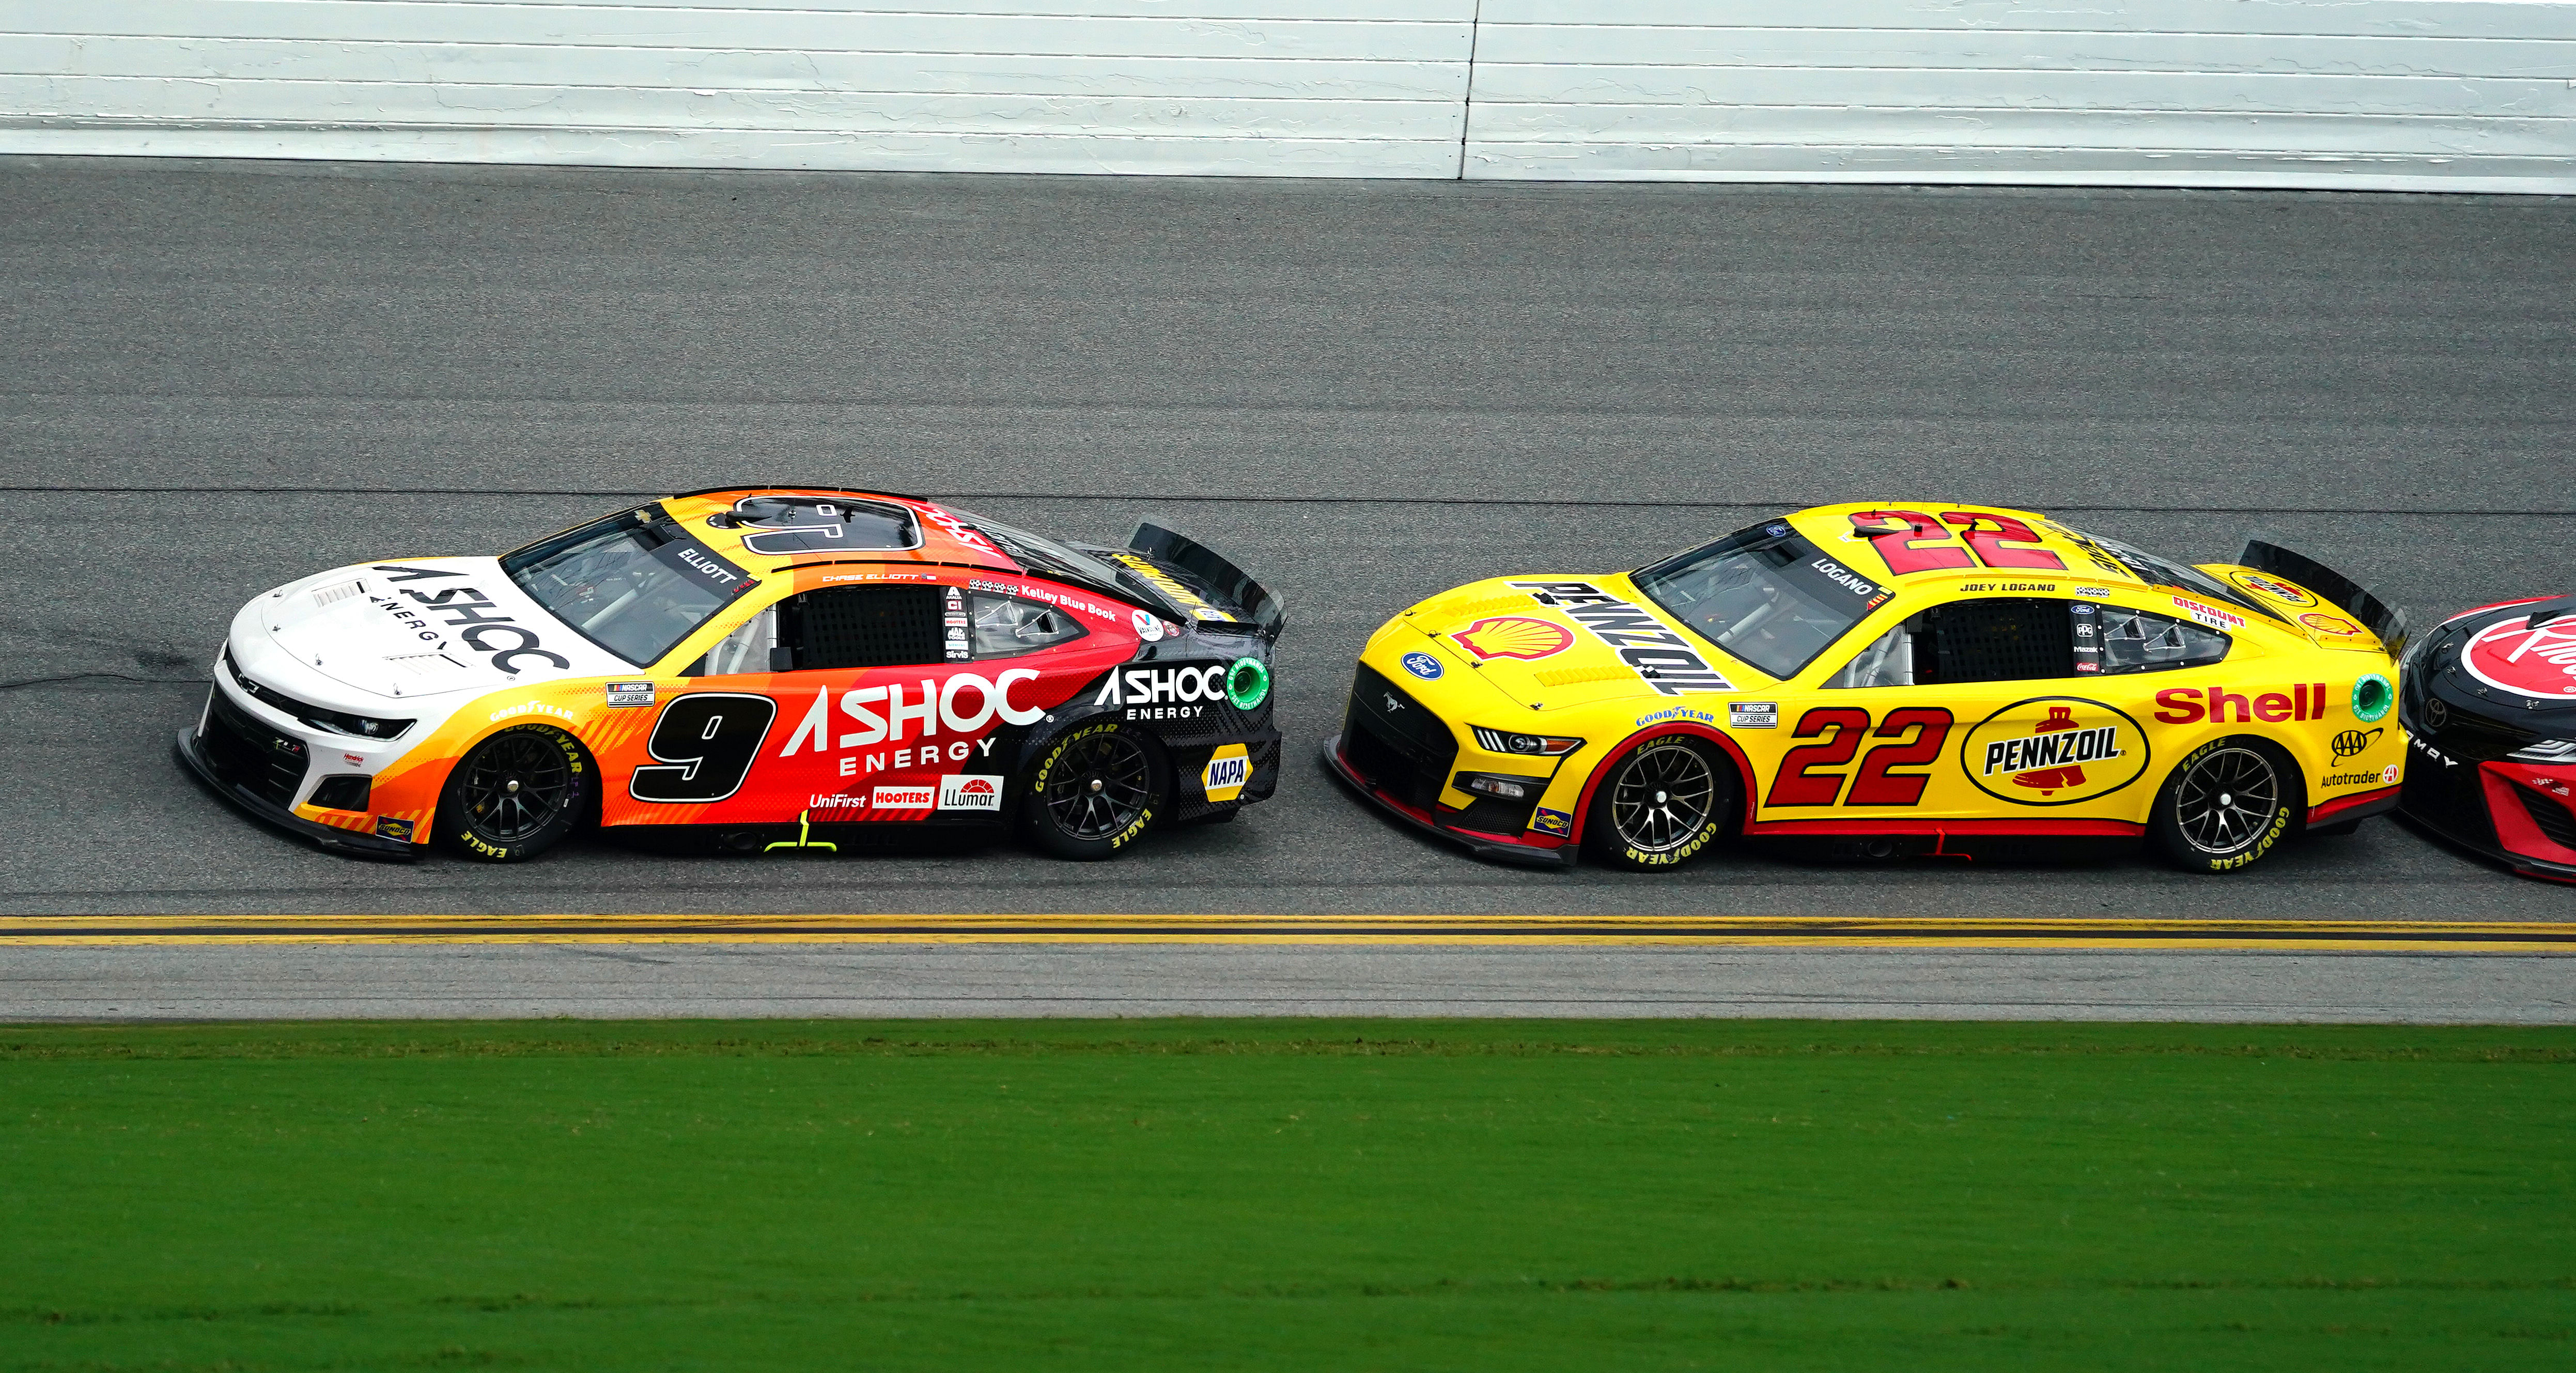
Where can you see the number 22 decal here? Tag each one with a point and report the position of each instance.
(1799, 784)
(1912, 541)
(702, 747)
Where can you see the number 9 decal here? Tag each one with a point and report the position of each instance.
(702, 747)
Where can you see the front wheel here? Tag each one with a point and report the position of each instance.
(2225, 805)
(1660, 805)
(516, 795)
(1094, 792)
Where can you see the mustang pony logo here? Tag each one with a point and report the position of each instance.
(1514, 636)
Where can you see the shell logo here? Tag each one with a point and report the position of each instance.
(1514, 636)
(2330, 624)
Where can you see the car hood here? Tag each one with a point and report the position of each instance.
(424, 627)
(1561, 640)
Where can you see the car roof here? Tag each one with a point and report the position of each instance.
(945, 537)
(1839, 530)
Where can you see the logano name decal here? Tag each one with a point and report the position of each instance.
(1164, 693)
(936, 708)
(1661, 658)
(502, 639)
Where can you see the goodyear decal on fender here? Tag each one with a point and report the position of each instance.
(1171, 586)
(2054, 751)
(1661, 658)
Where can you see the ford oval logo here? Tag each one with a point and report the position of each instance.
(1422, 665)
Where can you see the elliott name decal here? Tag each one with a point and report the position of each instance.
(1661, 658)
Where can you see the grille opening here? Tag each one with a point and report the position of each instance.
(341, 793)
(247, 754)
(2556, 823)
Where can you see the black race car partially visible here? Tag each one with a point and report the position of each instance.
(2489, 705)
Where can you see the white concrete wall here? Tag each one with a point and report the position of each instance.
(2408, 94)
(1254, 87)
(2384, 94)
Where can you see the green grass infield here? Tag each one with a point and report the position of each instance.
(1286, 1195)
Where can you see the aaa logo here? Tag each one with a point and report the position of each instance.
(1514, 636)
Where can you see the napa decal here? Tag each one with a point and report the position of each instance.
(1171, 586)
(1661, 658)
(1514, 636)
(2054, 751)
(1226, 773)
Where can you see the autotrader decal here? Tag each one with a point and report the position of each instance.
(1661, 658)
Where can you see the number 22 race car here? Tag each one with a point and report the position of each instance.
(751, 668)
(1899, 676)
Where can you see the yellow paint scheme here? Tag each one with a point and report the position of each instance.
(1557, 678)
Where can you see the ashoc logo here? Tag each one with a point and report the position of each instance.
(1164, 693)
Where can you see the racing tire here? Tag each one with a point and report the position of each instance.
(517, 794)
(1096, 790)
(1660, 805)
(2225, 805)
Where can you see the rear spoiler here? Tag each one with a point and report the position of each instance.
(1224, 578)
(2379, 617)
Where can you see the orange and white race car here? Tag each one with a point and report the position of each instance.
(753, 667)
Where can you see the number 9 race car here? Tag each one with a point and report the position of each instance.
(1896, 676)
(755, 667)
(2490, 713)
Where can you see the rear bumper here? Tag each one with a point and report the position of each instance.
(260, 808)
(1530, 851)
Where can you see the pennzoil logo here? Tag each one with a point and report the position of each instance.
(1513, 636)
(2054, 751)
(1661, 658)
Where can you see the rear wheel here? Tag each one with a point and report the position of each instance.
(1093, 792)
(516, 795)
(2225, 805)
(1660, 805)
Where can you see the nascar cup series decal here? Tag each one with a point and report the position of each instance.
(1226, 773)
(2514, 656)
(1661, 658)
(2054, 751)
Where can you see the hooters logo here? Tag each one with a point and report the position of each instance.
(2527, 661)
(1514, 636)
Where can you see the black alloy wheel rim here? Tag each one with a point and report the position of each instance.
(2227, 799)
(1100, 786)
(1662, 798)
(515, 786)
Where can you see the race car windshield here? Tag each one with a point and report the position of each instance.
(2155, 571)
(1045, 556)
(633, 584)
(1765, 595)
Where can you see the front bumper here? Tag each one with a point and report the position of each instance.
(1530, 850)
(191, 751)
(2510, 812)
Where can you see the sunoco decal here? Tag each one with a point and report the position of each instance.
(2054, 751)
(1661, 658)
(1171, 586)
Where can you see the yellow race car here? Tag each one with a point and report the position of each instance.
(1903, 676)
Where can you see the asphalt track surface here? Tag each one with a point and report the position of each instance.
(220, 376)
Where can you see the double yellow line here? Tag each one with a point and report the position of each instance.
(2419, 936)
